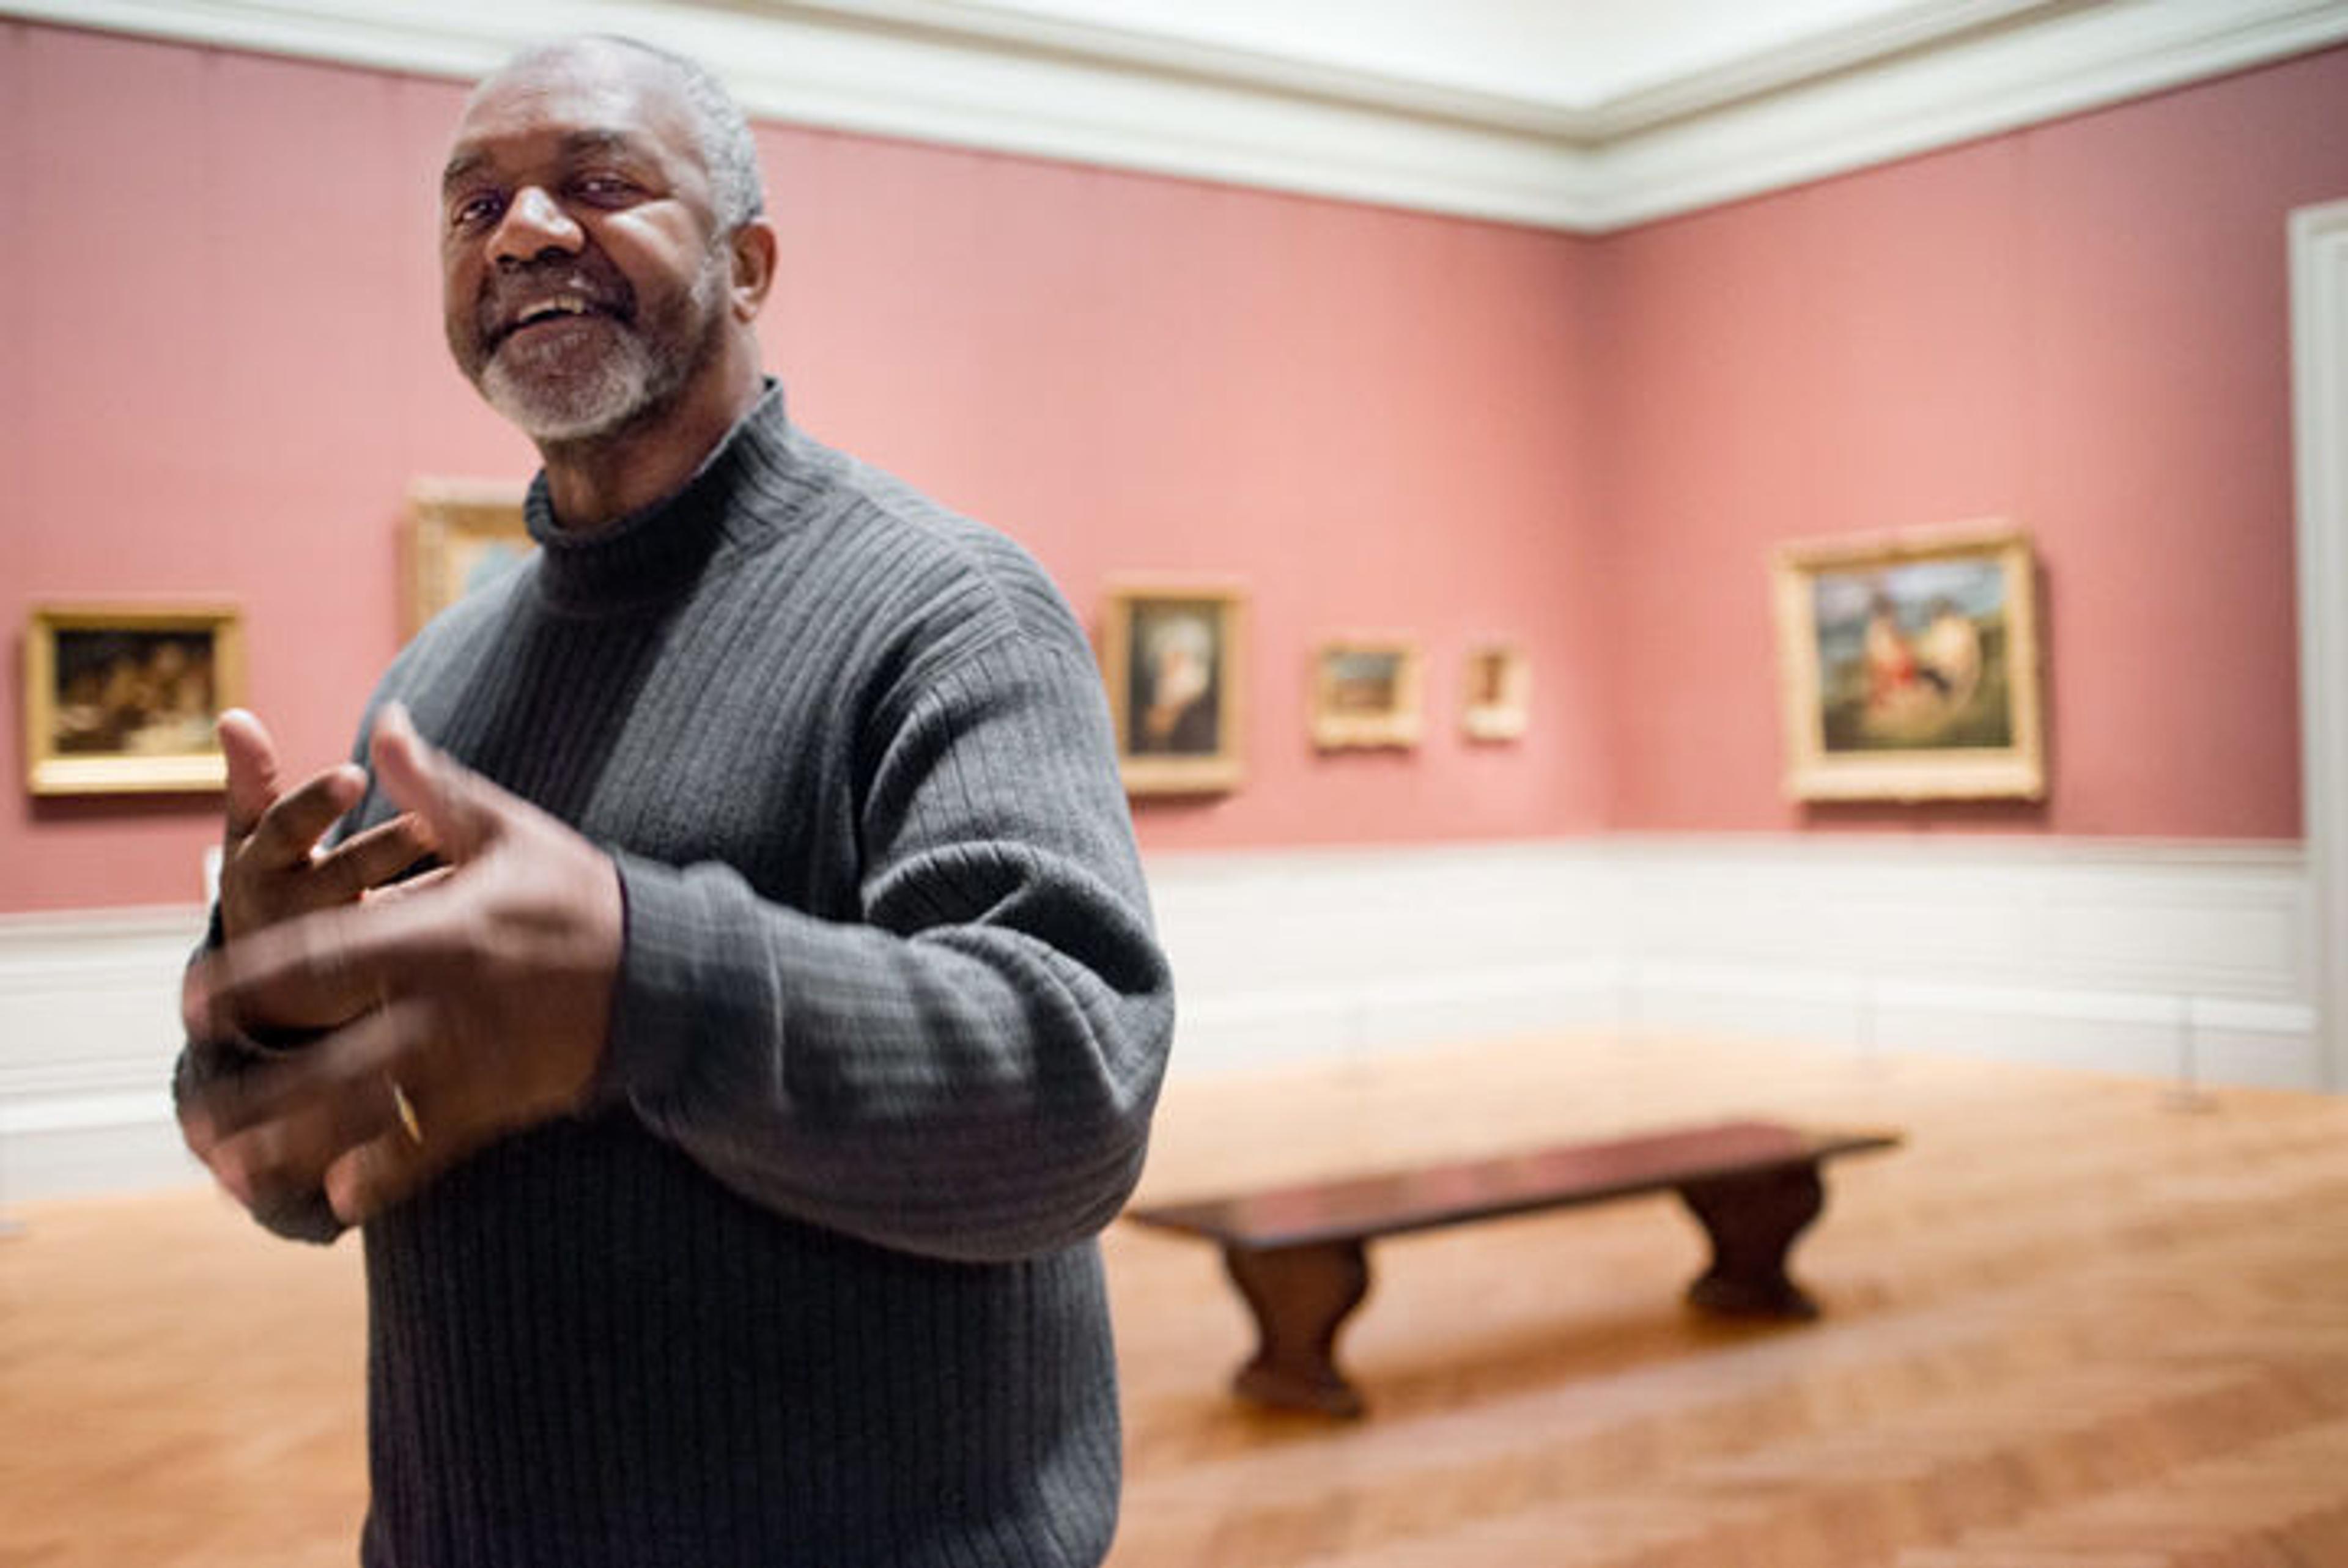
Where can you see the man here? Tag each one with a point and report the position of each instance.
(732, 1107)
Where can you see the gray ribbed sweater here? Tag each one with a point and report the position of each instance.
(814, 1280)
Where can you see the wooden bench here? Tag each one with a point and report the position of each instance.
(1299, 1254)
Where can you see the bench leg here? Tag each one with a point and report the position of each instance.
(1299, 1296)
(1753, 1221)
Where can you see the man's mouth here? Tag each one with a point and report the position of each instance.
(551, 308)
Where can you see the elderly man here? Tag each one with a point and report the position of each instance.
(732, 1099)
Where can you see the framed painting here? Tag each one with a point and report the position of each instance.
(1174, 658)
(123, 698)
(1365, 693)
(461, 535)
(1908, 666)
(1499, 702)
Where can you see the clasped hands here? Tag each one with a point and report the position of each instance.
(442, 1013)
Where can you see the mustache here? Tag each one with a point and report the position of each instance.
(511, 291)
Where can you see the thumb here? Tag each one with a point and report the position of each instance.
(459, 807)
(251, 758)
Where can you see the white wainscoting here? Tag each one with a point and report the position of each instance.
(2158, 959)
(89, 1023)
(2185, 961)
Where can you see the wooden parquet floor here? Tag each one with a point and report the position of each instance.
(2071, 1325)
(2071, 1322)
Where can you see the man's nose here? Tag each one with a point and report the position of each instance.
(534, 223)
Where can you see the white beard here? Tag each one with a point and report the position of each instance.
(566, 402)
(556, 392)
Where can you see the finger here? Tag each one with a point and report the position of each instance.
(199, 1130)
(292, 826)
(461, 809)
(323, 965)
(369, 860)
(365, 1049)
(290, 1133)
(380, 1173)
(411, 887)
(291, 1153)
(251, 758)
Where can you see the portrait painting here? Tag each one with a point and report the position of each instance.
(124, 699)
(461, 536)
(1499, 696)
(1171, 656)
(1909, 666)
(1365, 693)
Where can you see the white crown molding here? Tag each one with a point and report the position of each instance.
(1926, 75)
(1996, 78)
(1913, 30)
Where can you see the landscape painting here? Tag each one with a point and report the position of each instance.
(1909, 666)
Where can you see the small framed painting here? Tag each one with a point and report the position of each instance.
(1908, 666)
(1499, 692)
(124, 699)
(1366, 693)
(1174, 658)
(461, 535)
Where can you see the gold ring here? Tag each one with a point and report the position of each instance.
(407, 1109)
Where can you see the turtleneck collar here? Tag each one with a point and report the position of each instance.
(656, 551)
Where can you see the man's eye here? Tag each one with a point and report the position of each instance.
(604, 188)
(474, 212)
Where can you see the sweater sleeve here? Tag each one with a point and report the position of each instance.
(969, 1071)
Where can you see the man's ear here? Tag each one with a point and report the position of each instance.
(754, 246)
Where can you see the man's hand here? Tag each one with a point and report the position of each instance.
(272, 868)
(492, 989)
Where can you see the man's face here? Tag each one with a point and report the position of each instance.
(584, 287)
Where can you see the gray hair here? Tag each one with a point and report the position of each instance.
(728, 151)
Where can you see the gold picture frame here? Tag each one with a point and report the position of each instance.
(1174, 656)
(1367, 692)
(460, 535)
(1499, 692)
(1909, 665)
(125, 698)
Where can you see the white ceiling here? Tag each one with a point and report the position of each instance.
(1565, 54)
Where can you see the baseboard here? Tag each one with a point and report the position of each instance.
(2181, 961)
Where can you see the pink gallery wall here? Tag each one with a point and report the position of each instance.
(2083, 327)
(224, 371)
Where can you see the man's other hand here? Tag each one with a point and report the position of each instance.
(489, 987)
(272, 868)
